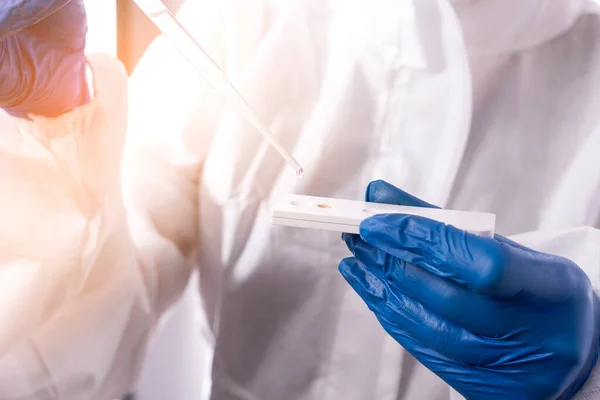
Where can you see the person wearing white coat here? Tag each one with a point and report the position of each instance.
(487, 106)
(472, 105)
(74, 310)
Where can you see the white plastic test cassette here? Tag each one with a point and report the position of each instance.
(346, 215)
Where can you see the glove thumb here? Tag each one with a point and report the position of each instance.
(382, 192)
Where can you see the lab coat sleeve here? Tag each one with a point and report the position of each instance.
(172, 114)
(162, 165)
(581, 245)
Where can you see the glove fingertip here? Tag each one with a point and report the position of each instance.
(368, 286)
(347, 237)
(380, 191)
(379, 225)
(346, 268)
(372, 188)
(369, 226)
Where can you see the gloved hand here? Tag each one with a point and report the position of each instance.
(42, 61)
(492, 318)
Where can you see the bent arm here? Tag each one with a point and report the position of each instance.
(161, 167)
(173, 115)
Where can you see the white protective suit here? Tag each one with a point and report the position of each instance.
(74, 307)
(490, 105)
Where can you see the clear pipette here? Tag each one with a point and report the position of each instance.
(168, 24)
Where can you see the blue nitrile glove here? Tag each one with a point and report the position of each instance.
(492, 318)
(42, 61)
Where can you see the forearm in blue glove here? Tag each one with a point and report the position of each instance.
(42, 61)
(492, 318)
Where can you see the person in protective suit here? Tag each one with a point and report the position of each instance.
(74, 306)
(469, 105)
(485, 106)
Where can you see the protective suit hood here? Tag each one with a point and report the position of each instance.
(503, 26)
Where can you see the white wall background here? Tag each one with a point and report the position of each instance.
(102, 26)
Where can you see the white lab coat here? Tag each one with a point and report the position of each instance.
(490, 106)
(74, 305)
